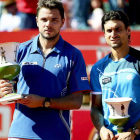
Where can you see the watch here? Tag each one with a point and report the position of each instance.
(47, 102)
(136, 131)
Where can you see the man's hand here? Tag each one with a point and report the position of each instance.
(5, 87)
(31, 101)
(125, 136)
(106, 134)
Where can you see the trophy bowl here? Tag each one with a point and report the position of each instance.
(118, 108)
(9, 69)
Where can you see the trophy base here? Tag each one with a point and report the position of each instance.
(10, 98)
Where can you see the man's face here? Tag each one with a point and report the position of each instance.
(115, 33)
(49, 23)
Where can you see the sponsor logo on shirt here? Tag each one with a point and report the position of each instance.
(29, 63)
(58, 65)
(84, 78)
(129, 77)
(106, 80)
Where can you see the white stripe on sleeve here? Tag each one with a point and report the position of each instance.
(95, 93)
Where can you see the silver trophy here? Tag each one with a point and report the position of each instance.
(9, 69)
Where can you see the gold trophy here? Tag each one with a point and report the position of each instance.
(9, 69)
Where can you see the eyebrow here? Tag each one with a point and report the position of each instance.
(55, 18)
(119, 27)
(115, 28)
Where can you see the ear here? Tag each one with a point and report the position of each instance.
(128, 30)
(37, 21)
(63, 21)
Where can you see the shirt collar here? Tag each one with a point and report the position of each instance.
(57, 48)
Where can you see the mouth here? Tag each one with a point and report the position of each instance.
(114, 40)
(48, 30)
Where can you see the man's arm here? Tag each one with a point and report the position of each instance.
(98, 119)
(72, 101)
(96, 111)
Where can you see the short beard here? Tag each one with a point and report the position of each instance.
(50, 38)
(117, 46)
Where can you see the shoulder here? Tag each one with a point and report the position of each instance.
(23, 49)
(71, 49)
(102, 61)
(26, 44)
(134, 53)
(101, 64)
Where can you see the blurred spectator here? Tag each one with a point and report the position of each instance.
(80, 14)
(1, 6)
(27, 12)
(130, 7)
(67, 4)
(117, 4)
(97, 12)
(10, 19)
(133, 12)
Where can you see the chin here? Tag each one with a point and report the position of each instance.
(50, 37)
(116, 47)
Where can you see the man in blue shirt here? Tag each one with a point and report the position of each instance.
(52, 78)
(116, 75)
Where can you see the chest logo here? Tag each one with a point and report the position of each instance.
(129, 77)
(106, 80)
(58, 65)
(29, 63)
(84, 78)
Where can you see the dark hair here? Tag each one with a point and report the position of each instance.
(50, 4)
(116, 15)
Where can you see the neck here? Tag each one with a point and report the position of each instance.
(47, 45)
(120, 53)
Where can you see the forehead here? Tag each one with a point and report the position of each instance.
(112, 24)
(52, 13)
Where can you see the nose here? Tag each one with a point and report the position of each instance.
(113, 33)
(48, 23)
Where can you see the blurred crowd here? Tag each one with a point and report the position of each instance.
(18, 15)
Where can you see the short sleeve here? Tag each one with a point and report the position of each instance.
(78, 80)
(94, 81)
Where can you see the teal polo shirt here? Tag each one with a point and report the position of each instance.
(115, 79)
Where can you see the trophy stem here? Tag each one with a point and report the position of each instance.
(119, 129)
(119, 122)
(13, 87)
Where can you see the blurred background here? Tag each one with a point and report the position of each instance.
(82, 29)
(80, 14)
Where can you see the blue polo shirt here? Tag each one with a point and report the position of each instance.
(122, 79)
(60, 73)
